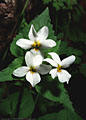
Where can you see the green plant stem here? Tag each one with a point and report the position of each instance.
(19, 101)
(59, 43)
(19, 19)
(36, 100)
(56, 23)
(5, 54)
(67, 27)
(26, 3)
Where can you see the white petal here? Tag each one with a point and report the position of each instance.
(21, 71)
(33, 78)
(29, 58)
(32, 33)
(55, 57)
(24, 43)
(44, 69)
(53, 73)
(52, 62)
(33, 60)
(37, 60)
(48, 43)
(34, 52)
(43, 33)
(63, 76)
(68, 61)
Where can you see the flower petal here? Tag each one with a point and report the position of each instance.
(44, 69)
(33, 78)
(68, 61)
(35, 52)
(37, 60)
(21, 71)
(43, 33)
(24, 43)
(33, 60)
(55, 57)
(53, 73)
(29, 58)
(32, 33)
(52, 62)
(48, 43)
(63, 76)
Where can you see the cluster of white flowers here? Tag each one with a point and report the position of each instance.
(34, 58)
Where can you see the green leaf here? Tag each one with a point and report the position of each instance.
(64, 114)
(6, 74)
(76, 35)
(61, 4)
(8, 106)
(15, 50)
(2, 89)
(46, 1)
(56, 93)
(83, 69)
(27, 104)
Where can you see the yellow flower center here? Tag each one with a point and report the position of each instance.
(59, 68)
(32, 69)
(36, 45)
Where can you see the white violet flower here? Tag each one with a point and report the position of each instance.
(37, 40)
(33, 68)
(62, 74)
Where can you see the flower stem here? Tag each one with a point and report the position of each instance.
(5, 54)
(19, 101)
(26, 3)
(36, 100)
(59, 43)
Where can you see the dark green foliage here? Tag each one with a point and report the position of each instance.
(56, 94)
(6, 74)
(65, 49)
(51, 90)
(15, 50)
(83, 69)
(61, 4)
(64, 114)
(27, 104)
(8, 106)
